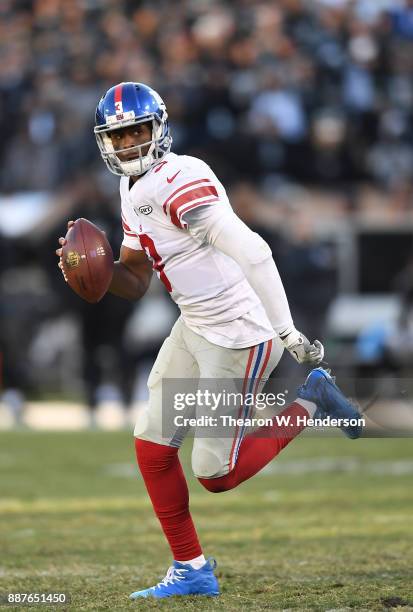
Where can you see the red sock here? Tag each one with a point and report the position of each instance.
(258, 449)
(167, 488)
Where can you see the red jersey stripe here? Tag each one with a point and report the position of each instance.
(190, 196)
(125, 225)
(128, 230)
(171, 197)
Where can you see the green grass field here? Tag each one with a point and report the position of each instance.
(328, 527)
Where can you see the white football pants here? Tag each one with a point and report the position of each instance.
(188, 356)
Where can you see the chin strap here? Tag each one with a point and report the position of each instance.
(137, 166)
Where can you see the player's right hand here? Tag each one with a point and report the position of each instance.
(62, 242)
(300, 347)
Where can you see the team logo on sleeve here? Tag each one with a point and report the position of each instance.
(143, 210)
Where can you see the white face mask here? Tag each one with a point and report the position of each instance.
(140, 164)
(158, 146)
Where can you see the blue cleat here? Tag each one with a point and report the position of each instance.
(182, 579)
(320, 388)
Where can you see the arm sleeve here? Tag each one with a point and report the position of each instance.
(222, 229)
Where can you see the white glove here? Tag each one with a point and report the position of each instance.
(300, 348)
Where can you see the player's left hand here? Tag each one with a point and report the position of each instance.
(62, 242)
(301, 349)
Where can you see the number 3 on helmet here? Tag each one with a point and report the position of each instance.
(129, 104)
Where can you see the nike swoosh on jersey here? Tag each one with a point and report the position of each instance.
(173, 177)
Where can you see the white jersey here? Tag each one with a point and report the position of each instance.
(209, 287)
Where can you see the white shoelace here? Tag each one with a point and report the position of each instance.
(172, 575)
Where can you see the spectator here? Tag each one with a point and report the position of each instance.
(315, 92)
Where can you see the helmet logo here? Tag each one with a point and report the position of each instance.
(126, 116)
(119, 107)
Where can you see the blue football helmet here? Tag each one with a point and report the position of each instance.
(127, 104)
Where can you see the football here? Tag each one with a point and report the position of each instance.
(87, 260)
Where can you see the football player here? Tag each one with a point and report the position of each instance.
(235, 320)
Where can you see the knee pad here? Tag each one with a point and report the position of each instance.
(206, 463)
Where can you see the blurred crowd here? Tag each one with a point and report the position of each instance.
(273, 94)
(318, 90)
